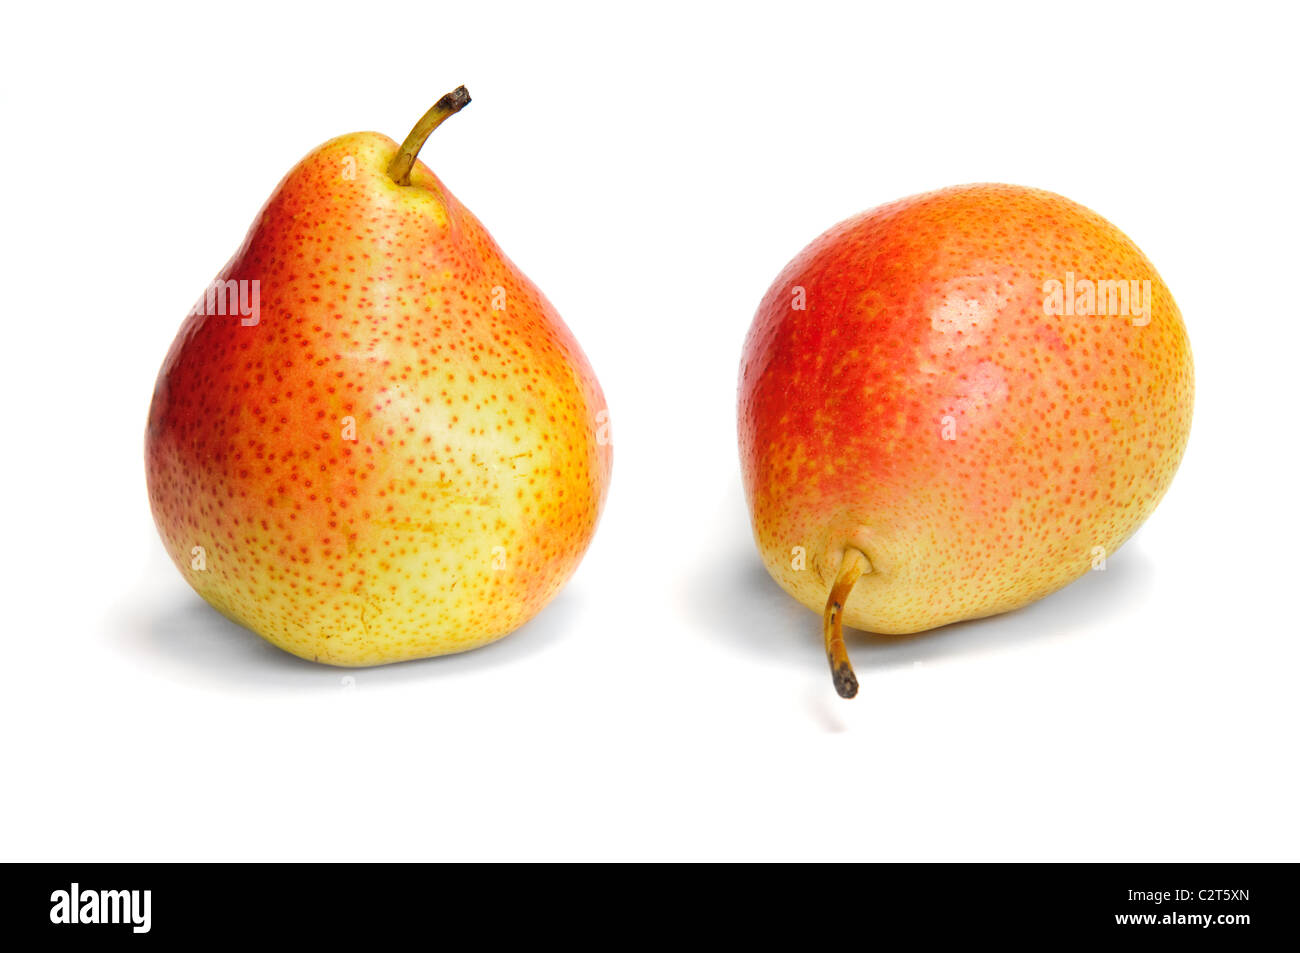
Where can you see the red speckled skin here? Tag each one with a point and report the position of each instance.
(925, 319)
(479, 464)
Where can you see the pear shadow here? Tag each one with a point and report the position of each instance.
(743, 605)
(189, 640)
(826, 707)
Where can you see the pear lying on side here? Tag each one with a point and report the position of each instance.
(955, 404)
(374, 439)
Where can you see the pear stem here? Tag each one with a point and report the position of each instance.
(399, 170)
(852, 567)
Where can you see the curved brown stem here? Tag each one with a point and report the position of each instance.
(399, 170)
(852, 567)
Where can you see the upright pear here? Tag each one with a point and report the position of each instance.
(374, 439)
(955, 404)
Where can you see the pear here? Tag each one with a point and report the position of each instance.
(955, 404)
(373, 438)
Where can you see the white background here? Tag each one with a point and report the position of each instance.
(652, 172)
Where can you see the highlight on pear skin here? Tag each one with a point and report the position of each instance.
(373, 438)
(955, 404)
